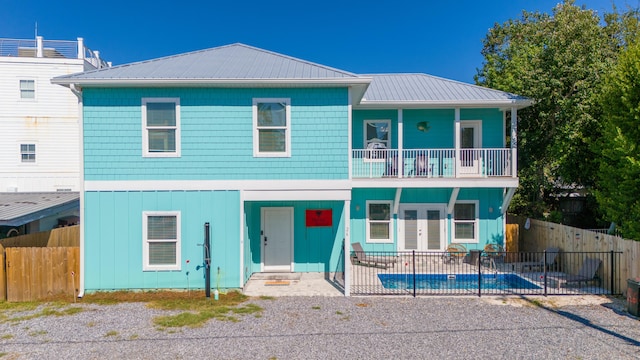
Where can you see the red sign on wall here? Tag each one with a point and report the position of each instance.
(320, 217)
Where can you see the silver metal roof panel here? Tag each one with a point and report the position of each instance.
(231, 62)
(20, 208)
(426, 89)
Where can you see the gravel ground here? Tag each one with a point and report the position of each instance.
(341, 328)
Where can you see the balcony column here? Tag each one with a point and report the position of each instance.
(400, 155)
(80, 48)
(456, 141)
(39, 47)
(514, 142)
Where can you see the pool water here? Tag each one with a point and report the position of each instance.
(455, 281)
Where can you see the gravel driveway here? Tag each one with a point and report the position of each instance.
(340, 328)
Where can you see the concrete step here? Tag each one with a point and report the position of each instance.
(276, 276)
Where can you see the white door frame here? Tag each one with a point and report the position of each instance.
(423, 244)
(474, 169)
(263, 219)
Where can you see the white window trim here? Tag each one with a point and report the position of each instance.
(256, 136)
(476, 222)
(145, 133)
(368, 222)
(27, 163)
(35, 89)
(364, 131)
(373, 156)
(145, 242)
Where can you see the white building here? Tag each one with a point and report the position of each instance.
(39, 151)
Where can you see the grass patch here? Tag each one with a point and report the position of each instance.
(7, 336)
(38, 332)
(134, 337)
(198, 311)
(315, 307)
(124, 296)
(52, 309)
(111, 333)
(266, 297)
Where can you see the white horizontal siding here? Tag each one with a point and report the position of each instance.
(50, 121)
(50, 100)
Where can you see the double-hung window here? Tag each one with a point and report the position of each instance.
(27, 89)
(272, 127)
(465, 222)
(161, 127)
(161, 240)
(28, 153)
(379, 222)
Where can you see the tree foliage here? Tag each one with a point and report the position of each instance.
(619, 185)
(558, 60)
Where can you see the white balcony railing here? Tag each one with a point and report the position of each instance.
(60, 49)
(432, 163)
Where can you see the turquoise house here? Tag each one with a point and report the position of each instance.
(287, 161)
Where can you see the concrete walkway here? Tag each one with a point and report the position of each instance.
(291, 284)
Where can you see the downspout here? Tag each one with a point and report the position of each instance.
(78, 93)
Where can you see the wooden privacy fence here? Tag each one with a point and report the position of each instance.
(65, 236)
(37, 273)
(40, 265)
(541, 235)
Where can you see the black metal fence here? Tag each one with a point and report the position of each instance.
(550, 272)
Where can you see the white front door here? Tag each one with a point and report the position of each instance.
(422, 227)
(470, 142)
(277, 239)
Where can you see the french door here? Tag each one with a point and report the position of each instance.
(422, 227)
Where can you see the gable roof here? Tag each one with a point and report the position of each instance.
(408, 90)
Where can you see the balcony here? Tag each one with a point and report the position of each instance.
(59, 49)
(432, 163)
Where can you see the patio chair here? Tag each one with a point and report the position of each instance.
(420, 166)
(552, 254)
(587, 273)
(362, 258)
(494, 254)
(454, 253)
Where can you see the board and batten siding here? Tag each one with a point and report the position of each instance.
(216, 135)
(113, 239)
(50, 121)
(316, 249)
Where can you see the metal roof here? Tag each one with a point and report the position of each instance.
(423, 89)
(20, 208)
(232, 62)
(239, 65)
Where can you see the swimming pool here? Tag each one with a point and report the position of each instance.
(455, 281)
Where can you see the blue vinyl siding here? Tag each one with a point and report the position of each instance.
(358, 118)
(491, 224)
(493, 133)
(359, 198)
(113, 238)
(491, 219)
(316, 249)
(441, 123)
(440, 135)
(216, 135)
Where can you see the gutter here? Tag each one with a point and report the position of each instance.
(78, 93)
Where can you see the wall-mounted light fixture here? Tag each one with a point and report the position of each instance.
(423, 126)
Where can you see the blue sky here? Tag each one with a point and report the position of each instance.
(442, 38)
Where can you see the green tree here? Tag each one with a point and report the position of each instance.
(558, 60)
(619, 181)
